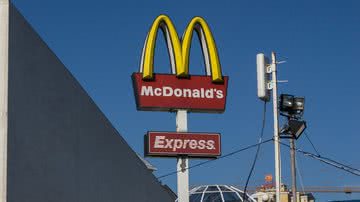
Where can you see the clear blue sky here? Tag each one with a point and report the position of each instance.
(101, 42)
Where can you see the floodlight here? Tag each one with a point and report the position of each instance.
(299, 103)
(284, 131)
(293, 129)
(291, 106)
(286, 102)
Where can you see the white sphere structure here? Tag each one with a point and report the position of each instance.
(218, 193)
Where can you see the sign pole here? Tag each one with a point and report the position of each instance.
(182, 162)
(4, 38)
(276, 128)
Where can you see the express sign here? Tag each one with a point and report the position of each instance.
(167, 92)
(206, 145)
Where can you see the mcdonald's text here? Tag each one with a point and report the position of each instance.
(166, 92)
(205, 145)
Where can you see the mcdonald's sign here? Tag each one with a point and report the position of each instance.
(179, 90)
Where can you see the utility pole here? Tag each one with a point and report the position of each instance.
(276, 127)
(293, 169)
(264, 68)
(182, 162)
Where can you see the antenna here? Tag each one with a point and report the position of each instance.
(263, 75)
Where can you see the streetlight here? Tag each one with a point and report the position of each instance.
(293, 108)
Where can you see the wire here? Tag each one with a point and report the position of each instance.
(301, 178)
(344, 165)
(211, 160)
(307, 137)
(257, 151)
(328, 161)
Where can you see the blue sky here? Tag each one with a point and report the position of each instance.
(101, 42)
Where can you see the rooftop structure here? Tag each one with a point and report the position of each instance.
(266, 193)
(218, 193)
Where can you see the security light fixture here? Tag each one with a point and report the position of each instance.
(293, 129)
(299, 103)
(291, 106)
(286, 102)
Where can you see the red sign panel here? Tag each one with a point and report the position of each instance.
(206, 145)
(167, 92)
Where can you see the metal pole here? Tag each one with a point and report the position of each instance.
(276, 128)
(293, 169)
(182, 162)
(4, 56)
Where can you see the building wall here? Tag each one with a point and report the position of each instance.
(61, 147)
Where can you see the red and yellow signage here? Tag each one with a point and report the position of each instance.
(167, 92)
(189, 144)
(268, 178)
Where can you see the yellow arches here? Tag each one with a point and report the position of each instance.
(179, 50)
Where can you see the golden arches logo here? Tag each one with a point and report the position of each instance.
(179, 49)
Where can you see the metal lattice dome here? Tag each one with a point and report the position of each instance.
(218, 193)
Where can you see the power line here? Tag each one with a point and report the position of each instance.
(301, 178)
(323, 159)
(344, 165)
(257, 150)
(328, 161)
(313, 146)
(211, 160)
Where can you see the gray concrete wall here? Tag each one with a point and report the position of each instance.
(61, 147)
